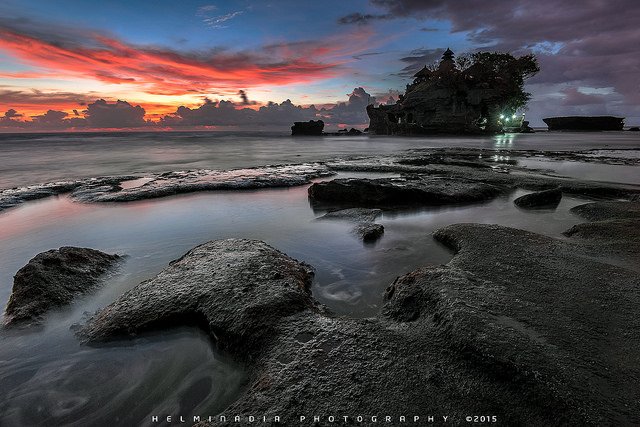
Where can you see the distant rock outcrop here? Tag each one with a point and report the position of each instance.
(312, 127)
(585, 123)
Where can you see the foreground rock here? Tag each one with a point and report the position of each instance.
(207, 287)
(525, 327)
(611, 232)
(541, 199)
(54, 279)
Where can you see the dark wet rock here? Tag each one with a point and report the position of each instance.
(541, 199)
(54, 279)
(599, 211)
(518, 325)
(207, 287)
(15, 196)
(456, 166)
(312, 127)
(422, 190)
(615, 230)
(369, 232)
(172, 183)
(634, 129)
(353, 214)
(537, 311)
(364, 218)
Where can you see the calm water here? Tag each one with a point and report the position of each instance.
(33, 159)
(47, 378)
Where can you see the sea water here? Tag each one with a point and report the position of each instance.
(48, 378)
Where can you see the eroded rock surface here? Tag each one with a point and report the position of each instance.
(527, 327)
(115, 189)
(171, 183)
(353, 214)
(54, 279)
(236, 289)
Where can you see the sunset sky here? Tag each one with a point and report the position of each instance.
(188, 64)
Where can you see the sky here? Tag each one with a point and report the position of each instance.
(78, 65)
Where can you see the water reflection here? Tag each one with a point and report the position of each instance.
(504, 140)
(47, 378)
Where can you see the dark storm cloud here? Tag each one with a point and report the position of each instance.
(362, 19)
(120, 114)
(226, 113)
(418, 58)
(590, 43)
(98, 115)
(354, 111)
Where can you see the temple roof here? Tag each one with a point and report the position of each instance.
(424, 72)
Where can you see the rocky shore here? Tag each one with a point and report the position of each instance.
(517, 324)
(443, 176)
(532, 329)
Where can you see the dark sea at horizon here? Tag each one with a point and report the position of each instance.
(47, 378)
(27, 159)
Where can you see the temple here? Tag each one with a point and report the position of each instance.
(447, 99)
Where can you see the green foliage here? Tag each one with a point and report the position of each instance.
(504, 73)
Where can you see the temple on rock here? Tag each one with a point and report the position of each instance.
(480, 94)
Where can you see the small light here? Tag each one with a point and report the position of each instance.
(513, 117)
(502, 116)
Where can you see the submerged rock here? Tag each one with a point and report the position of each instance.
(353, 214)
(54, 279)
(526, 327)
(369, 232)
(541, 199)
(365, 227)
(423, 190)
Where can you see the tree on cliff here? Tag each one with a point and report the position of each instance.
(502, 72)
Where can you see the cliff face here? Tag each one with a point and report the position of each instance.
(450, 100)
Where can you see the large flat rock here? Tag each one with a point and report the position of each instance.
(236, 289)
(417, 190)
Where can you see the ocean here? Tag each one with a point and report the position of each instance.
(48, 378)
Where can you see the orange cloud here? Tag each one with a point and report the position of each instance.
(167, 72)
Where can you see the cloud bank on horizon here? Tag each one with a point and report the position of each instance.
(217, 64)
